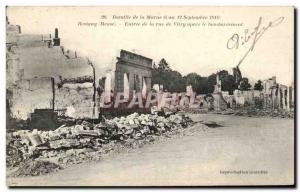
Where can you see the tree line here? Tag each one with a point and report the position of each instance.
(173, 81)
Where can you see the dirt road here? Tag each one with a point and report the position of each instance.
(245, 151)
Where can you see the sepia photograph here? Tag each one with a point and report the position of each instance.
(150, 96)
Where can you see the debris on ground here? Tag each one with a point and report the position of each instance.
(85, 141)
(35, 168)
(255, 112)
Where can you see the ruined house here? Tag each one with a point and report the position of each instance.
(42, 74)
(133, 73)
(273, 95)
(277, 96)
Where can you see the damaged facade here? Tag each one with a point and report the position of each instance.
(41, 74)
(133, 73)
(273, 95)
(278, 96)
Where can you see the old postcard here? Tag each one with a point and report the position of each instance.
(150, 96)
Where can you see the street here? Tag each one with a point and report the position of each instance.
(244, 151)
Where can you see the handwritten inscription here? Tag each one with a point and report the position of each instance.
(236, 41)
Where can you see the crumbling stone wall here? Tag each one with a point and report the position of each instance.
(76, 99)
(278, 96)
(247, 97)
(38, 59)
(37, 93)
(219, 102)
(30, 94)
(13, 69)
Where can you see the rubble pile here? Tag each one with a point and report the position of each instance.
(260, 112)
(84, 141)
(34, 168)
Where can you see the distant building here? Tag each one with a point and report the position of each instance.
(277, 96)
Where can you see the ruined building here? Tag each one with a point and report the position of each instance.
(133, 73)
(219, 102)
(277, 96)
(42, 74)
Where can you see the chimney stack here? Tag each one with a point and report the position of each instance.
(56, 33)
(56, 39)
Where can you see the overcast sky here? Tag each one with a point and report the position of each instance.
(190, 49)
